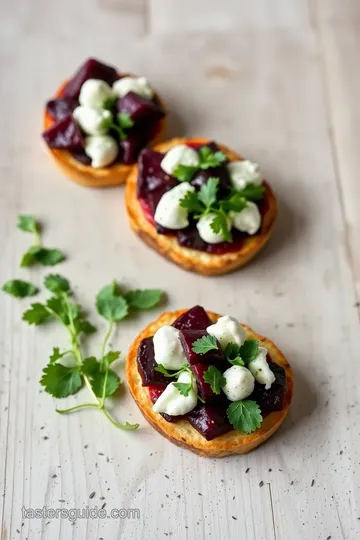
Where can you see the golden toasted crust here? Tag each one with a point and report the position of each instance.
(182, 433)
(85, 174)
(191, 259)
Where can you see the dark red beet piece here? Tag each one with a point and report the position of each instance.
(131, 148)
(64, 134)
(209, 420)
(195, 318)
(273, 399)
(151, 175)
(61, 107)
(204, 388)
(139, 108)
(188, 338)
(146, 365)
(90, 69)
(82, 157)
(155, 392)
(203, 175)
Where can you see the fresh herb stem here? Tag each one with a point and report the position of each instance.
(105, 342)
(76, 407)
(125, 427)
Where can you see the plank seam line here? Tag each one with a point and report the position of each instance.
(318, 30)
(272, 511)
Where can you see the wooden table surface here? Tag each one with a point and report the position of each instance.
(279, 82)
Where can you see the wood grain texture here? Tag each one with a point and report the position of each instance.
(281, 88)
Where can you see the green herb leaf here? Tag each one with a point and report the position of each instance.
(20, 288)
(184, 388)
(143, 298)
(184, 173)
(245, 416)
(109, 103)
(110, 357)
(234, 203)
(220, 226)
(84, 326)
(215, 378)
(208, 191)
(43, 256)
(191, 202)
(61, 381)
(56, 284)
(30, 257)
(28, 223)
(161, 369)
(98, 381)
(124, 121)
(49, 257)
(252, 192)
(36, 314)
(90, 365)
(110, 304)
(232, 354)
(57, 305)
(205, 344)
(56, 355)
(209, 159)
(249, 350)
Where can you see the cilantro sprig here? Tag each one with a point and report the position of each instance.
(122, 124)
(37, 253)
(215, 378)
(97, 374)
(19, 288)
(184, 388)
(242, 355)
(245, 415)
(207, 159)
(205, 344)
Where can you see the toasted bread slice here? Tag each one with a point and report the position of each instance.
(191, 259)
(86, 175)
(181, 432)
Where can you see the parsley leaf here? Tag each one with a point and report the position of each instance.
(110, 357)
(215, 378)
(49, 257)
(220, 226)
(29, 258)
(191, 203)
(124, 120)
(28, 223)
(184, 173)
(208, 191)
(245, 416)
(252, 192)
(90, 365)
(56, 355)
(19, 288)
(61, 381)
(249, 350)
(184, 388)
(232, 354)
(234, 203)
(209, 159)
(143, 298)
(98, 379)
(84, 326)
(36, 314)
(205, 344)
(110, 304)
(56, 284)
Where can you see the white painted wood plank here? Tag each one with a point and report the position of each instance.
(267, 102)
(173, 16)
(340, 49)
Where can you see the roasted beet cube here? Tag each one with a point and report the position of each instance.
(130, 149)
(82, 157)
(195, 318)
(272, 399)
(91, 69)
(146, 365)
(64, 134)
(203, 175)
(61, 107)
(210, 421)
(151, 176)
(139, 108)
(204, 388)
(188, 338)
